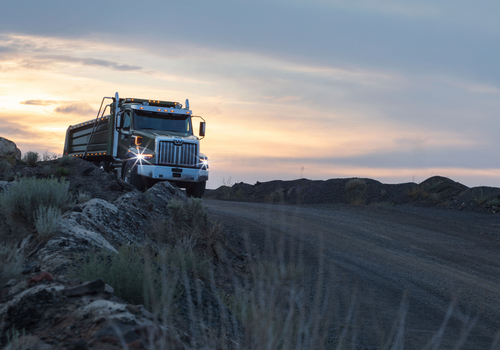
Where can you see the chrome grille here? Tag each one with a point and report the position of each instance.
(185, 154)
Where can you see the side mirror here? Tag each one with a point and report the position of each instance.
(202, 128)
(118, 122)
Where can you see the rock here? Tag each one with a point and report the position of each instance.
(87, 171)
(9, 150)
(29, 267)
(108, 289)
(125, 185)
(119, 330)
(10, 283)
(4, 185)
(44, 276)
(96, 286)
(30, 342)
(78, 344)
(146, 313)
(115, 187)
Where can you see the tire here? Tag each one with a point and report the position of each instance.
(130, 175)
(104, 165)
(196, 189)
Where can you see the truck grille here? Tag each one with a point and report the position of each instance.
(184, 155)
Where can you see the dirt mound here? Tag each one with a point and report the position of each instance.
(435, 191)
(83, 176)
(65, 312)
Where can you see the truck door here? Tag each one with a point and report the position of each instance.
(124, 135)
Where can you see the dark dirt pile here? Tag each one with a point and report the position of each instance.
(435, 191)
(83, 176)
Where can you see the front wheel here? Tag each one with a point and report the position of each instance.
(105, 166)
(130, 175)
(196, 189)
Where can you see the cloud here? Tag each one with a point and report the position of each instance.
(39, 102)
(80, 108)
(89, 62)
(15, 131)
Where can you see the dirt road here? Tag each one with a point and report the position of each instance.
(399, 264)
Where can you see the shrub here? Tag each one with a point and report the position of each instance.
(64, 160)
(46, 170)
(134, 277)
(83, 197)
(47, 220)
(188, 214)
(27, 195)
(31, 158)
(10, 264)
(62, 171)
(493, 202)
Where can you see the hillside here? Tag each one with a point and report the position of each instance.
(436, 191)
(86, 260)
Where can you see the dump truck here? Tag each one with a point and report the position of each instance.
(143, 142)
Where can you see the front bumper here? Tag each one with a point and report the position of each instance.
(162, 172)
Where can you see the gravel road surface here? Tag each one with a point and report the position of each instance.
(398, 264)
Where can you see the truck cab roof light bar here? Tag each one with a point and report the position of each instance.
(156, 109)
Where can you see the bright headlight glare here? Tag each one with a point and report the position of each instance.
(144, 156)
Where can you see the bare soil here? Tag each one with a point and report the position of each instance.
(401, 266)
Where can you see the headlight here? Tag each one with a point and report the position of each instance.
(203, 162)
(144, 156)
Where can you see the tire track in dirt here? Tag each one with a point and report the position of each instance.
(381, 254)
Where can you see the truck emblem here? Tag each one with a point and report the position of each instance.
(178, 142)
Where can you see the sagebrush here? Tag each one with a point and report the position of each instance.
(20, 203)
(31, 158)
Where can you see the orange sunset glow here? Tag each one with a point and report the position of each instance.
(280, 102)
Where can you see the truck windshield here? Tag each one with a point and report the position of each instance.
(161, 121)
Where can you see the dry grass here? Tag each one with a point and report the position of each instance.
(10, 263)
(20, 203)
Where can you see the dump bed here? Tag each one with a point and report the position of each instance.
(78, 135)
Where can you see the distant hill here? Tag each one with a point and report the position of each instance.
(435, 191)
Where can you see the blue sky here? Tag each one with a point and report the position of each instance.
(392, 90)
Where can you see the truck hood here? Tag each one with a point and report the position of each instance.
(152, 134)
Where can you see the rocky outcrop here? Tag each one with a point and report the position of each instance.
(56, 312)
(9, 150)
(104, 225)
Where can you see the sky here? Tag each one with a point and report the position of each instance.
(397, 91)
